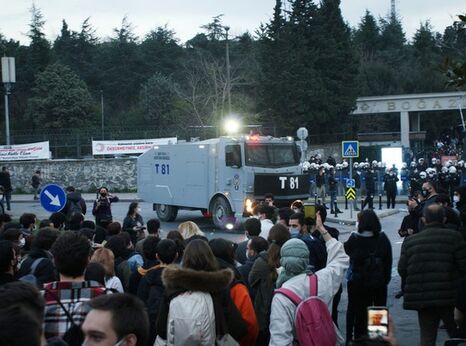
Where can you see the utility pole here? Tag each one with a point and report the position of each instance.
(8, 79)
(227, 28)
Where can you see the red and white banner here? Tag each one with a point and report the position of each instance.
(21, 152)
(135, 146)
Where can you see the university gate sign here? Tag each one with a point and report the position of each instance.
(404, 104)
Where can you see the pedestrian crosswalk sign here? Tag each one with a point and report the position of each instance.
(350, 149)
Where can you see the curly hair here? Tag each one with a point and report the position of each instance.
(71, 254)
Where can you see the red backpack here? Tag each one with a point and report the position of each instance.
(313, 323)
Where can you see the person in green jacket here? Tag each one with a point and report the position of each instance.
(432, 262)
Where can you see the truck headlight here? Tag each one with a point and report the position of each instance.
(248, 205)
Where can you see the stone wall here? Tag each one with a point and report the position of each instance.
(85, 175)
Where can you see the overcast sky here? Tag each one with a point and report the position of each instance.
(186, 16)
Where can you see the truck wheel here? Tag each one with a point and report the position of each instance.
(221, 212)
(166, 213)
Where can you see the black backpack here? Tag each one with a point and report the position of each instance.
(371, 272)
(75, 208)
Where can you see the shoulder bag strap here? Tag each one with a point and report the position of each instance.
(289, 294)
(68, 315)
(35, 264)
(313, 285)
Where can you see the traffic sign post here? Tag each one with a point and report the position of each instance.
(351, 195)
(302, 134)
(52, 198)
(350, 149)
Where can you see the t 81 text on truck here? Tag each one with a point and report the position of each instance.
(222, 176)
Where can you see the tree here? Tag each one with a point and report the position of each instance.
(367, 36)
(336, 64)
(454, 66)
(61, 100)
(392, 34)
(121, 71)
(39, 53)
(158, 99)
(161, 52)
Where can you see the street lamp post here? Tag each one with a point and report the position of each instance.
(227, 48)
(102, 111)
(8, 78)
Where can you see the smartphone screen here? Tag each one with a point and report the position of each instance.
(377, 321)
(310, 211)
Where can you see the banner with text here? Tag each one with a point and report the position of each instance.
(135, 146)
(30, 151)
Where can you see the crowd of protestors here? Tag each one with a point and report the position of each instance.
(73, 281)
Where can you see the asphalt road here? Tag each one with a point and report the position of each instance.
(407, 329)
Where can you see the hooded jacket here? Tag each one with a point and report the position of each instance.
(150, 291)
(239, 293)
(74, 197)
(329, 280)
(196, 308)
(45, 271)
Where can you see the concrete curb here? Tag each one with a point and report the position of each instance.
(345, 220)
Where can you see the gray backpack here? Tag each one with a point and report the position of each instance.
(31, 277)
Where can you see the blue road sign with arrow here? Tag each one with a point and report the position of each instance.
(350, 183)
(52, 198)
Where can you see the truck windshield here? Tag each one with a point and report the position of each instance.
(271, 155)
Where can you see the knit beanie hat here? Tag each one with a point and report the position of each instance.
(294, 258)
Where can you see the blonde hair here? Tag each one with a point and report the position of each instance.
(188, 229)
(106, 258)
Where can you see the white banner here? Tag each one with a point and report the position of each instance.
(135, 146)
(30, 151)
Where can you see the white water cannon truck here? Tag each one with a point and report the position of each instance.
(221, 176)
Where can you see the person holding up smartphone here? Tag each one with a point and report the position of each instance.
(102, 207)
(133, 222)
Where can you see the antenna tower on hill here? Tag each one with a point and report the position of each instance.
(393, 9)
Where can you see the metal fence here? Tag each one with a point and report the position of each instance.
(77, 143)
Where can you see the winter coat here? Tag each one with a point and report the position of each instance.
(45, 271)
(104, 211)
(320, 180)
(432, 262)
(128, 226)
(332, 183)
(329, 280)
(420, 209)
(196, 308)
(74, 197)
(135, 277)
(240, 252)
(317, 254)
(244, 270)
(5, 181)
(370, 183)
(390, 183)
(239, 293)
(359, 246)
(357, 180)
(259, 281)
(151, 291)
(409, 222)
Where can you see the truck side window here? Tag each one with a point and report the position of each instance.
(233, 155)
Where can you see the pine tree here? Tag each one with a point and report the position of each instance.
(367, 36)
